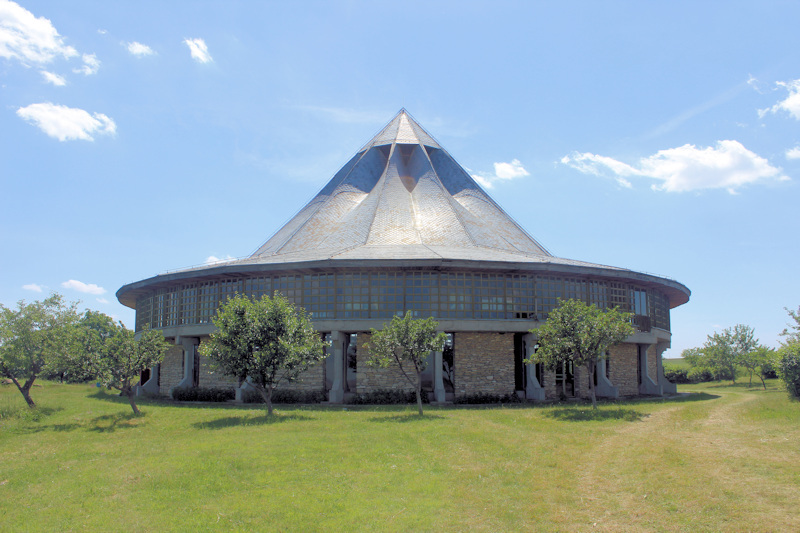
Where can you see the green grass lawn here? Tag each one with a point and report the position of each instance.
(721, 459)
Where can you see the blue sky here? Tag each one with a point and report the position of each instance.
(664, 137)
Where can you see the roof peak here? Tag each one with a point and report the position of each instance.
(402, 129)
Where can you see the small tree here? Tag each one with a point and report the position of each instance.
(758, 361)
(268, 340)
(407, 342)
(31, 337)
(107, 351)
(789, 356)
(580, 333)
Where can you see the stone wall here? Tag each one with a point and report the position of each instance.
(484, 363)
(171, 369)
(652, 362)
(312, 379)
(371, 378)
(623, 362)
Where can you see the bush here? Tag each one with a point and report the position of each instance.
(387, 397)
(285, 396)
(789, 369)
(484, 398)
(677, 374)
(203, 394)
(769, 369)
(700, 374)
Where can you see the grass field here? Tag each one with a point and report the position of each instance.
(721, 459)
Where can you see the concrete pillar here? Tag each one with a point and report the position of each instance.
(189, 345)
(604, 388)
(151, 385)
(647, 386)
(533, 389)
(336, 394)
(667, 387)
(241, 389)
(438, 380)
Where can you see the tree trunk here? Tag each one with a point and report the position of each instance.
(131, 398)
(592, 368)
(419, 392)
(761, 376)
(266, 393)
(751, 380)
(25, 390)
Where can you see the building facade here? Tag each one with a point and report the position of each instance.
(403, 227)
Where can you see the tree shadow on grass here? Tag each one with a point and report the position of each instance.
(234, 421)
(112, 422)
(594, 415)
(406, 418)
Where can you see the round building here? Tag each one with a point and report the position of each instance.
(403, 227)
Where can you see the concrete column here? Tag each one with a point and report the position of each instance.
(189, 345)
(438, 380)
(241, 389)
(667, 387)
(647, 386)
(336, 394)
(533, 389)
(604, 388)
(151, 385)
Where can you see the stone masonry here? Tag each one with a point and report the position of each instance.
(484, 363)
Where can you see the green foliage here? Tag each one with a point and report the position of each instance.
(701, 374)
(266, 341)
(792, 330)
(676, 374)
(482, 398)
(203, 394)
(723, 352)
(581, 333)
(407, 342)
(789, 368)
(31, 337)
(283, 396)
(387, 397)
(100, 349)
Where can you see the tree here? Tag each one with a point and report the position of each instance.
(724, 351)
(31, 337)
(789, 356)
(407, 341)
(580, 333)
(267, 341)
(107, 351)
(758, 361)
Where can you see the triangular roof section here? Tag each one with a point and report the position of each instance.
(401, 197)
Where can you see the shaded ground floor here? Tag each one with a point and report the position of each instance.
(471, 363)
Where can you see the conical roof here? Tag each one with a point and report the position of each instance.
(401, 196)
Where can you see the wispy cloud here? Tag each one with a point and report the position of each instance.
(346, 115)
(793, 153)
(139, 49)
(55, 79)
(28, 39)
(102, 300)
(199, 50)
(727, 165)
(790, 104)
(502, 172)
(90, 65)
(88, 288)
(32, 287)
(67, 123)
(211, 259)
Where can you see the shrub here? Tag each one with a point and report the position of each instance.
(484, 398)
(677, 374)
(387, 397)
(769, 369)
(285, 396)
(700, 374)
(203, 394)
(789, 369)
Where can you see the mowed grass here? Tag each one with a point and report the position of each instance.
(720, 459)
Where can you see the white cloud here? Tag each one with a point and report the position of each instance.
(90, 65)
(211, 259)
(31, 40)
(502, 172)
(199, 50)
(793, 153)
(88, 288)
(728, 165)
(55, 79)
(67, 123)
(32, 287)
(791, 104)
(102, 300)
(139, 49)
